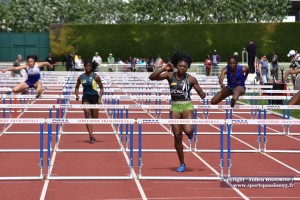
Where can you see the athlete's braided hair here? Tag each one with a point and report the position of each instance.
(94, 64)
(177, 56)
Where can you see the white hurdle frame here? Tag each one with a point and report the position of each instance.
(62, 121)
(28, 121)
(228, 122)
(92, 106)
(179, 121)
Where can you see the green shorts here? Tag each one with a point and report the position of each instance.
(181, 107)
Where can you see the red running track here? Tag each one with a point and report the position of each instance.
(154, 163)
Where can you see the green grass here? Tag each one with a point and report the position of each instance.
(293, 113)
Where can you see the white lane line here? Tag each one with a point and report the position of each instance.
(135, 178)
(293, 169)
(208, 165)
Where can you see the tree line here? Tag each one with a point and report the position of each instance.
(37, 15)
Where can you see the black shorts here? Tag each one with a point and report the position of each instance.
(91, 99)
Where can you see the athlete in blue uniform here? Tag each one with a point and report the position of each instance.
(33, 80)
(182, 107)
(236, 76)
(89, 81)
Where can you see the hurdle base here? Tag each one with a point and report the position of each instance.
(20, 178)
(225, 151)
(201, 178)
(89, 177)
(89, 150)
(20, 150)
(281, 151)
(159, 150)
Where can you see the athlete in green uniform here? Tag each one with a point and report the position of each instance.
(182, 107)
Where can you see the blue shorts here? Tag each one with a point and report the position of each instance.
(31, 83)
(232, 88)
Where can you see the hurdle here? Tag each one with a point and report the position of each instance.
(41, 155)
(50, 162)
(117, 129)
(180, 121)
(24, 106)
(230, 122)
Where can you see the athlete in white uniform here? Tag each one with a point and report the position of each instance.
(33, 80)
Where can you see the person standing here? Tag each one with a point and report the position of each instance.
(110, 61)
(263, 69)
(98, 60)
(69, 62)
(295, 100)
(207, 64)
(182, 107)
(158, 62)
(274, 69)
(236, 76)
(33, 80)
(251, 50)
(89, 81)
(215, 60)
(78, 64)
(50, 59)
(17, 63)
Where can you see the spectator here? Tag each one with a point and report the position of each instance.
(295, 100)
(207, 64)
(236, 55)
(132, 64)
(78, 64)
(251, 50)
(150, 64)
(158, 62)
(274, 69)
(263, 69)
(52, 61)
(17, 73)
(110, 59)
(215, 60)
(294, 63)
(69, 59)
(98, 60)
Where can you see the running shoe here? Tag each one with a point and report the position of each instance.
(191, 136)
(181, 168)
(38, 94)
(232, 102)
(92, 139)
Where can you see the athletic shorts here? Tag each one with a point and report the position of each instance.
(231, 89)
(91, 99)
(30, 83)
(181, 107)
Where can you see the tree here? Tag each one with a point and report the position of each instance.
(37, 15)
(107, 12)
(3, 26)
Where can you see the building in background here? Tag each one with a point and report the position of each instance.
(294, 12)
